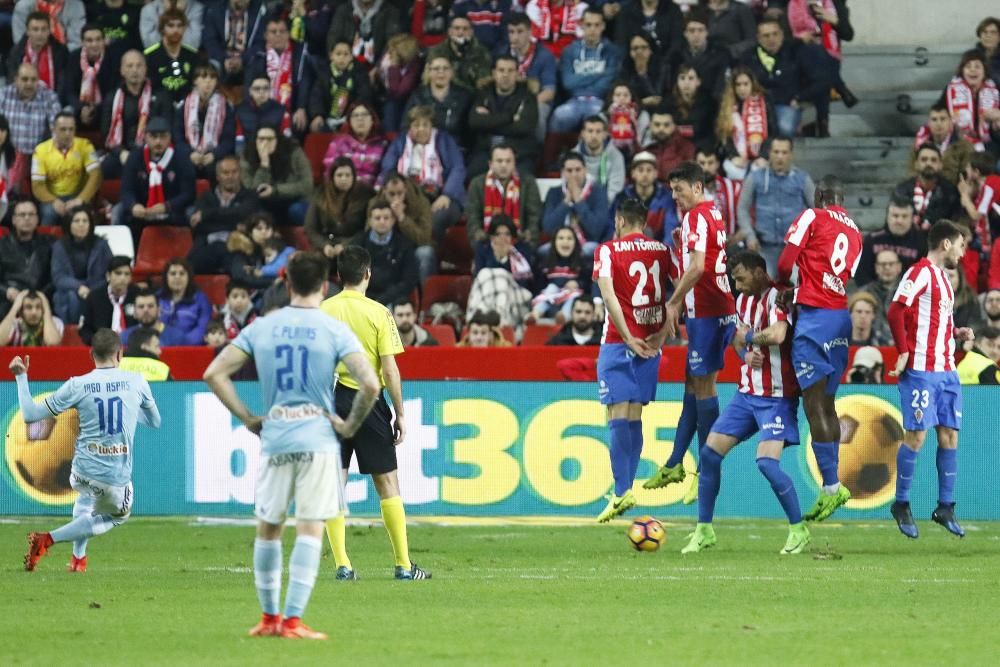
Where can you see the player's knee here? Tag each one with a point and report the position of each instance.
(914, 439)
(947, 438)
(386, 485)
(119, 519)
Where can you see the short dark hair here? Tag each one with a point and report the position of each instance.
(939, 106)
(502, 57)
(147, 292)
(968, 57)
(988, 332)
(771, 19)
(829, 191)
(688, 172)
(64, 114)
(104, 344)
(984, 163)
(791, 142)
(352, 263)
(235, 285)
(182, 262)
(91, 27)
(593, 10)
(138, 338)
(205, 69)
(503, 145)
(405, 301)
(584, 298)
(941, 231)
(697, 15)
(67, 222)
(748, 260)
(928, 146)
(519, 18)
(393, 177)
(171, 15)
(306, 270)
(989, 20)
(38, 16)
(596, 118)
(897, 200)
(501, 220)
(215, 325)
(118, 261)
(571, 155)
(490, 318)
(634, 212)
(378, 202)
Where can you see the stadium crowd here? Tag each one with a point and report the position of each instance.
(160, 163)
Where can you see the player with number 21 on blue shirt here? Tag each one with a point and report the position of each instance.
(296, 350)
(110, 402)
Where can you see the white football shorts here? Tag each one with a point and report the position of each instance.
(313, 480)
(113, 500)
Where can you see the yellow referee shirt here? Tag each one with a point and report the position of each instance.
(372, 323)
(64, 173)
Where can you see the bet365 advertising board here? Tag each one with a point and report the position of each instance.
(496, 448)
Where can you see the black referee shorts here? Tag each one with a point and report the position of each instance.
(373, 443)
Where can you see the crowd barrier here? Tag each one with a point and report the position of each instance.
(495, 448)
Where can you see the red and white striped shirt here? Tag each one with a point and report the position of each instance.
(776, 378)
(987, 204)
(704, 230)
(831, 250)
(726, 194)
(930, 330)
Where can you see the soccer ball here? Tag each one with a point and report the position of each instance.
(646, 534)
(39, 456)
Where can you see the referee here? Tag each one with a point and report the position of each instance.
(375, 442)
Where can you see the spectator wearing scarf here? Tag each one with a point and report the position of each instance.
(207, 122)
(503, 190)
(67, 18)
(555, 23)
(579, 203)
(746, 119)
(367, 26)
(287, 66)
(90, 77)
(38, 47)
(340, 85)
(974, 101)
(432, 159)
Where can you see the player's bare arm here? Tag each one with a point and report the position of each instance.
(773, 335)
(368, 386)
(218, 377)
(394, 385)
(640, 347)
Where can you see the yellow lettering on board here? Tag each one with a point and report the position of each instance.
(497, 430)
(545, 449)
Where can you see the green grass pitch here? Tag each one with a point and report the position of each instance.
(171, 592)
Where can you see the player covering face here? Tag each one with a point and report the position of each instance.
(767, 402)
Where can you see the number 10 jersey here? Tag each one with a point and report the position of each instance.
(637, 266)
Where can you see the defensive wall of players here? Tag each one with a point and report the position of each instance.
(490, 448)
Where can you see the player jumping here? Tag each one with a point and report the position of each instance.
(923, 328)
(825, 245)
(110, 402)
(704, 291)
(631, 272)
(768, 401)
(296, 350)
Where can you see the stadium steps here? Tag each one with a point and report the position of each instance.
(899, 68)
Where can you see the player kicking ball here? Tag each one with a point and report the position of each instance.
(630, 271)
(924, 332)
(825, 245)
(109, 402)
(703, 291)
(767, 401)
(296, 349)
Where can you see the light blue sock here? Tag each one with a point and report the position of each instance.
(635, 431)
(687, 426)
(906, 461)
(827, 460)
(303, 566)
(267, 574)
(783, 487)
(708, 412)
(947, 466)
(708, 483)
(84, 506)
(85, 527)
(621, 454)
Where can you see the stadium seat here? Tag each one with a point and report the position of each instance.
(315, 148)
(55, 231)
(71, 335)
(440, 289)
(455, 254)
(158, 244)
(214, 287)
(546, 184)
(110, 191)
(557, 143)
(538, 334)
(201, 186)
(294, 236)
(444, 333)
(119, 237)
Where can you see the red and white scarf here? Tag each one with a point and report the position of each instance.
(90, 90)
(520, 267)
(571, 219)
(54, 9)
(204, 139)
(623, 124)
(43, 61)
(750, 127)
(236, 32)
(115, 139)
(155, 171)
(524, 64)
(497, 199)
(279, 71)
(921, 198)
(429, 174)
(803, 20)
(924, 136)
(567, 26)
(726, 194)
(969, 107)
(117, 311)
